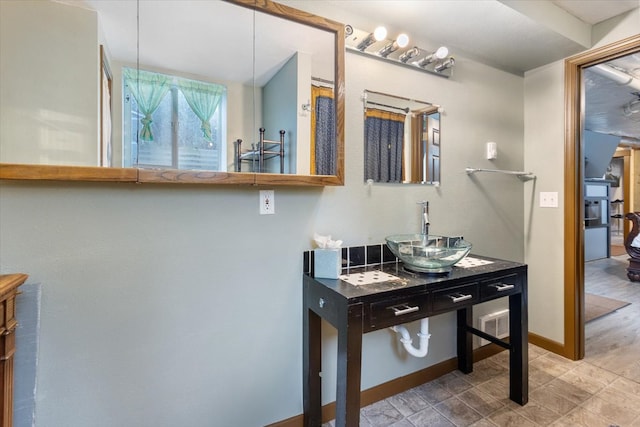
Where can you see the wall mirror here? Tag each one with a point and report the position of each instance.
(401, 140)
(239, 92)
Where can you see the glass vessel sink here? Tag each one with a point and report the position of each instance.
(428, 253)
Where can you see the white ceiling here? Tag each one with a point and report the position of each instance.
(513, 35)
(596, 11)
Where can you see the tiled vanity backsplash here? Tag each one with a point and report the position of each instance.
(355, 256)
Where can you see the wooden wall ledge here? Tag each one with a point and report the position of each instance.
(67, 173)
(24, 172)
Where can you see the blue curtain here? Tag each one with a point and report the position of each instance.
(383, 143)
(325, 136)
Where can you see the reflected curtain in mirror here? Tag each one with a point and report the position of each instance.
(323, 136)
(401, 139)
(203, 99)
(148, 89)
(384, 137)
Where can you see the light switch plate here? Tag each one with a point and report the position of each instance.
(548, 199)
(492, 150)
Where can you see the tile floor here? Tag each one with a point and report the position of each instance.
(601, 390)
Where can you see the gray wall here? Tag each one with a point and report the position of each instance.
(180, 305)
(544, 155)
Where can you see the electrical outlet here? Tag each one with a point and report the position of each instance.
(549, 199)
(267, 202)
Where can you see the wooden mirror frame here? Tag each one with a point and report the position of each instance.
(10, 171)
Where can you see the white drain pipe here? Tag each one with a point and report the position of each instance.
(617, 76)
(405, 338)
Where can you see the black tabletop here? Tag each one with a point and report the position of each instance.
(416, 282)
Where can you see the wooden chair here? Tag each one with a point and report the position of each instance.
(633, 271)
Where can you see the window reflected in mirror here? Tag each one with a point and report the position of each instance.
(173, 122)
(401, 140)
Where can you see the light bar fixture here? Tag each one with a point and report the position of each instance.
(348, 30)
(379, 34)
(398, 51)
(400, 42)
(444, 65)
(411, 53)
(439, 54)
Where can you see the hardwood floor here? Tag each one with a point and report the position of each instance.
(613, 341)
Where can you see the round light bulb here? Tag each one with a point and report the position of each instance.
(442, 52)
(402, 40)
(380, 33)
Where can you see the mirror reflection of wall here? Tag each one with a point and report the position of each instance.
(402, 140)
(106, 111)
(50, 84)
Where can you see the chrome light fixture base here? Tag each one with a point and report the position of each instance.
(436, 62)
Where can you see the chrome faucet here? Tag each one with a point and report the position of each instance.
(425, 217)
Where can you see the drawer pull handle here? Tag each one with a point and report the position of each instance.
(460, 297)
(501, 287)
(404, 309)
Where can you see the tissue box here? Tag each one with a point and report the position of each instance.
(327, 263)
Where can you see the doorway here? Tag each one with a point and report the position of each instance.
(574, 293)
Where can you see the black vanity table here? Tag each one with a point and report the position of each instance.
(355, 310)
